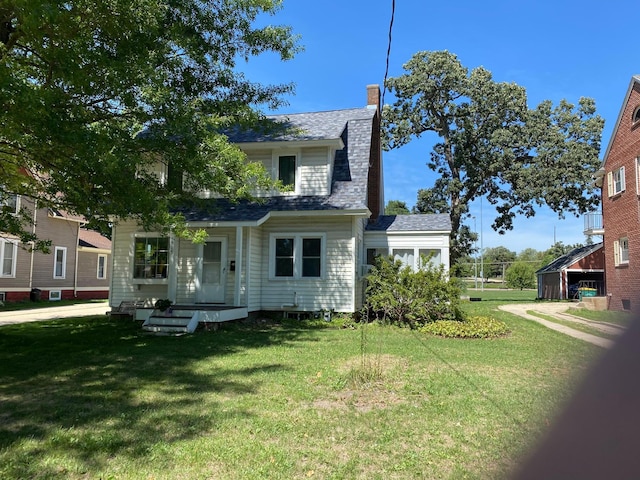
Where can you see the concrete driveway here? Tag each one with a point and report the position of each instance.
(558, 311)
(50, 313)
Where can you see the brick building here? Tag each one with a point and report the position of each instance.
(620, 181)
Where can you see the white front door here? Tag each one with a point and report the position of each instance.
(213, 270)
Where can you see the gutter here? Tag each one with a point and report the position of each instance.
(75, 273)
(33, 230)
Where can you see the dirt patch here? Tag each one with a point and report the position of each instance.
(371, 382)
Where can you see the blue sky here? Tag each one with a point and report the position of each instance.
(561, 49)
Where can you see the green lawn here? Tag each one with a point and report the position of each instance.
(94, 398)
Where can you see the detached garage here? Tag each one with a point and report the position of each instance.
(583, 266)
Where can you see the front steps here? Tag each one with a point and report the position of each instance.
(186, 318)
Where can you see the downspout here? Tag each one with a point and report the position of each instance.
(75, 273)
(33, 230)
(238, 273)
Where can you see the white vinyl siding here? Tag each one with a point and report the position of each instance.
(335, 290)
(616, 182)
(314, 168)
(60, 263)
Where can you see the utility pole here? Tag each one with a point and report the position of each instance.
(481, 254)
(475, 254)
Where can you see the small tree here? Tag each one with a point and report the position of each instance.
(521, 275)
(397, 294)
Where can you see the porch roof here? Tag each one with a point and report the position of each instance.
(438, 222)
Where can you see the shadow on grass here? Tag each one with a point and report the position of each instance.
(86, 390)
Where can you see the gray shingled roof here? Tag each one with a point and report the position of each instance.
(411, 223)
(570, 258)
(304, 126)
(350, 173)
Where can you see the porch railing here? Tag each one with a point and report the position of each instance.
(593, 224)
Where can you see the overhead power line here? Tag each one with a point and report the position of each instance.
(386, 72)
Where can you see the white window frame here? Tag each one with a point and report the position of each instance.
(434, 260)
(4, 202)
(149, 280)
(297, 255)
(3, 250)
(638, 175)
(63, 274)
(102, 257)
(616, 181)
(621, 251)
(275, 166)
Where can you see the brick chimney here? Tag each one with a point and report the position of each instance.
(373, 96)
(375, 193)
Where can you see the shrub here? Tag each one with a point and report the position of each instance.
(397, 294)
(521, 275)
(472, 327)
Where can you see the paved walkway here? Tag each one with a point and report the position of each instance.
(50, 313)
(557, 310)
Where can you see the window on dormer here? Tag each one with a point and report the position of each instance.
(287, 170)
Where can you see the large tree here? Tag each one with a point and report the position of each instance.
(92, 94)
(491, 144)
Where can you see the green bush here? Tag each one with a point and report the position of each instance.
(521, 275)
(397, 294)
(472, 327)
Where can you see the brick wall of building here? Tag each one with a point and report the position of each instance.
(621, 213)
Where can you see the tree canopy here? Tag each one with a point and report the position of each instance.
(92, 94)
(491, 144)
(396, 207)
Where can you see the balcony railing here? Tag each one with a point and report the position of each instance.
(593, 224)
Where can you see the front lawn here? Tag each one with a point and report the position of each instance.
(95, 398)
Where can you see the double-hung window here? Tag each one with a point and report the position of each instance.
(102, 267)
(8, 254)
(60, 262)
(151, 258)
(285, 166)
(616, 181)
(621, 251)
(297, 256)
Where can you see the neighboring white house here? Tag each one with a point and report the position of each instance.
(304, 250)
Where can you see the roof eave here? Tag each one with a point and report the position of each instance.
(335, 143)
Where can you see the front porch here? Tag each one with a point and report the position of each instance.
(186, 318)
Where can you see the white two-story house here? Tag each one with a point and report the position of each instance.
(302, 250)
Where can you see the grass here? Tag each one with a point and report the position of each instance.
(610, 316)
(574, 325)
(95, 398)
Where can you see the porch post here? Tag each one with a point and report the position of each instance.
(173, 269)
(238, 272)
